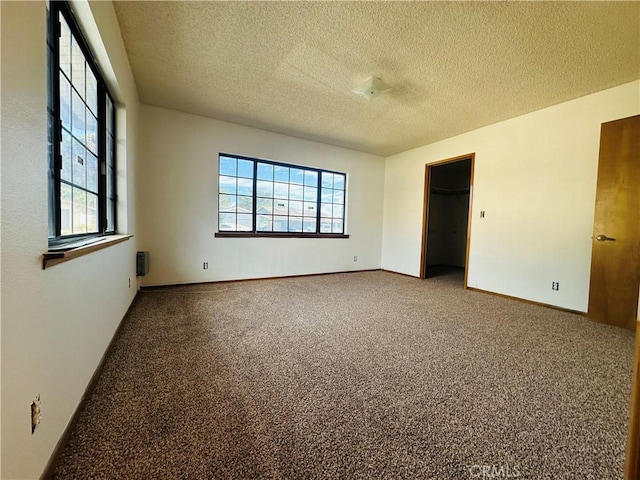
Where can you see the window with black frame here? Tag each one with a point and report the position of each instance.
(82, 193)
(264, 197)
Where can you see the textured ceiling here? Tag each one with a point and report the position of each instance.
(289, 67)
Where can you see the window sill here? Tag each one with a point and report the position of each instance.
(278, 235)
(49, 259)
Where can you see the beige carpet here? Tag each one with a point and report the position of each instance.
(362, 375)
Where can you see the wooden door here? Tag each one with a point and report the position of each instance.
(615, 258)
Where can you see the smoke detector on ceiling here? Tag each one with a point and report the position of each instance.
(371, 88)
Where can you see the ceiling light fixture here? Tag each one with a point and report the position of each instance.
(371, 88)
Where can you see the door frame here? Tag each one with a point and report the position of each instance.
(425, 211)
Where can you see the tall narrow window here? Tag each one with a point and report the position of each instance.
(332, 206)
(262, 197)
(81, 130)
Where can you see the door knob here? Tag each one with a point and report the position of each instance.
(604, 238)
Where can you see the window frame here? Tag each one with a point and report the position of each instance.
(55, 129)
(254, 197)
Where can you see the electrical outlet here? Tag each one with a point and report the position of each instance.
(129, 282)
(355, 258)
(555, 286)
(36, 415)
(205, 266)
(481, 213)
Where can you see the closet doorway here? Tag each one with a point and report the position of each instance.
(446, 220)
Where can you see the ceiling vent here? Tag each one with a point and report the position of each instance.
(371, 88)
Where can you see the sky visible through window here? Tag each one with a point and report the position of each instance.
(260, 196)
(79, 147)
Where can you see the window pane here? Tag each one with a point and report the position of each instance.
(65, 209)
(338, 181)
(280, 207)
(92, 132)
(53, 202)
(264, 205)
(245, 168)
(245, 204)
(65, 47)
(227, 203)
(79, 211)
(265, 189)
(77, 165)
(228, 185)
(310, 209)
(65, 102)
(227, 222)
(338, 211)
(281, 174)
(110, 110)
(92, 213)
(297, 176)
(295, 224)
(92, 172)
(245, 222)
(228, 166)
(310, 194)
(77, 114)
(338, 196)
(77, 67)
(295, 208)
(110, 185)
(65, 151)
(92, 92)
(327, 180)
(110, 153)
(264, 223)
(326, 210)
(295, 192)
(111, 215)
(325, 226)
(280, 190)
(311, 178)
(265, 171)
(280, 224)
(327, 195)
(337, 226)
(245, 186)
(309, 225)
(111, 178)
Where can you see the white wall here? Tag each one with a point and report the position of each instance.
(56, 323)
(178, 203)
(535, 176)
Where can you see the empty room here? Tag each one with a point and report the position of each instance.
(318, 240)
